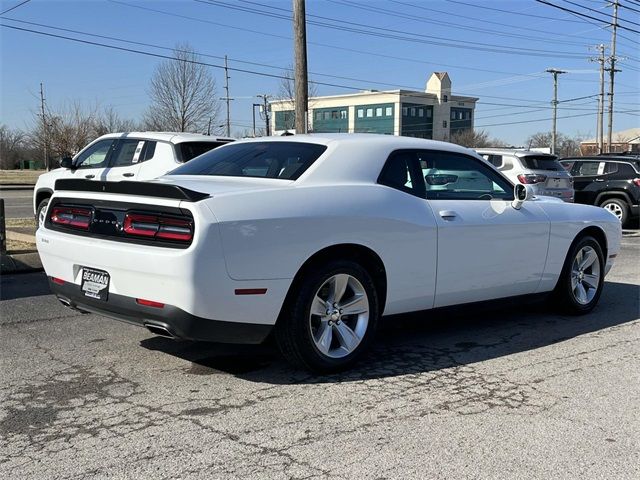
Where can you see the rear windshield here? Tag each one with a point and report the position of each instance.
(189, 150)
(284, 160)
(535, 162)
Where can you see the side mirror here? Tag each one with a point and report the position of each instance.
(67, 162)
(521, 193)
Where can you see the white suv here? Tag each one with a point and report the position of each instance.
(125, 156)
(540, 170)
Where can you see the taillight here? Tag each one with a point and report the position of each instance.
(71, 217)
(636, 182)
(531, 178)
(157, 226)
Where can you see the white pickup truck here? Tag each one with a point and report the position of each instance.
(125, 156)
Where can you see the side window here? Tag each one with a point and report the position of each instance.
(149, 151)
(495, 160)
(401, 171)
(568, 165)
(611, 167)
(96, 156)
(452, 176)
(589, 169)
(127, 152)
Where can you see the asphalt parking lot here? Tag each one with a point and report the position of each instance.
(510, 392)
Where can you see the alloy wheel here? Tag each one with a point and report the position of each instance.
(339, 315)
(614, 208)
(585, 275)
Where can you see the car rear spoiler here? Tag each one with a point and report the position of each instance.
(145, 189)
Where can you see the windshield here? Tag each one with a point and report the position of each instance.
(540, 162)
(283, 160)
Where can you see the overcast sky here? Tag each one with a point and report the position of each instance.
(499, 56)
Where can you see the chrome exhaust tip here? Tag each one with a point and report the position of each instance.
(159, 330)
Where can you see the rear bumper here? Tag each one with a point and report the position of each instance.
(178, 323)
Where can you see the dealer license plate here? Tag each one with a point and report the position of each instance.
(95, 283)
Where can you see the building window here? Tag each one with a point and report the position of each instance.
(444, 124)
(343, 114)
(453, 115)
(360, 113)
(421, 112)
(369, 112)
(326, 115)
(413, 112)
(379, 112)
(389, 111)
(318, 115)
(467, 115)
(445, 99)
(334, 114)
(405, 111)
(461, 104)
(428, 113)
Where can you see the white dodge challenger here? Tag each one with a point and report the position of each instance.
(313, 238)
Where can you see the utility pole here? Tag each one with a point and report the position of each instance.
(554, 103)
(253, 112)
(45, 138)
(227, 98)
(600, 117)
(265, 100)
(612, 71)
(301, 82)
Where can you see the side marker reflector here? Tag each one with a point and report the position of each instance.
(59, 281)
(250, 291)
(149, 303)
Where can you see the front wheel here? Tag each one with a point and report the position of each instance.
(330, 319)
(582, 278)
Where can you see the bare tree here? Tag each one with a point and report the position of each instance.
(108, 121)
(287, 95)
(183, 94)
(475, 139)
(12, 147)
(566, 146)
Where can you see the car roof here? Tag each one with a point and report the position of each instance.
(598, 158)
(518, 152)
(172, 137)
(364, 139)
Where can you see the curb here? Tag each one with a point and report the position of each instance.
(21, 237)
(20, 262)
(17, 186)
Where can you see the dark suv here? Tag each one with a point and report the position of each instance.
(612, 182)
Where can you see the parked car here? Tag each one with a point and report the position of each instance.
(125, 156)
(611, 182)
(314, 237)
(540, 170)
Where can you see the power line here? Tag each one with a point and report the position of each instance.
(583, 14)
(15, 6)
(377, 31)
(598, 12)
(319, 44)
(513, 13)
(421, 19)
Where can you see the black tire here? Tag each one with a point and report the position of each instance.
(564, 296)
(41, 206)
(617, 203)
(293, 331)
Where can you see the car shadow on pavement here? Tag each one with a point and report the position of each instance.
(421, 342)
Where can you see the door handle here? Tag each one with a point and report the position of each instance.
(89, 176)
(447, 214)
(599, 179)
(127, 174)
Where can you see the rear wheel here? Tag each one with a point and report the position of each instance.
(41, 212)
(618, 207)
(331, 318)
(582, 278)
